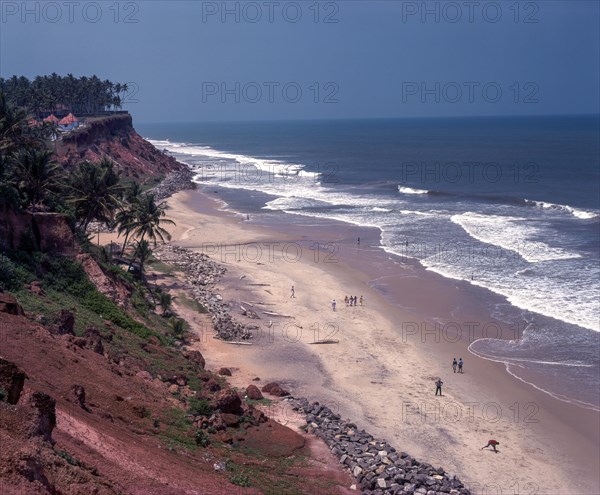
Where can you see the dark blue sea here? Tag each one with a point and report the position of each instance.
(508, 204)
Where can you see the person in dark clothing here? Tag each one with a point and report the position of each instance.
(492, 443)
(438, 386)
(454, 364)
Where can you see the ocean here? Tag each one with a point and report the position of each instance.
(511, 205)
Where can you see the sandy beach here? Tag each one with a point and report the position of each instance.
(380, 372)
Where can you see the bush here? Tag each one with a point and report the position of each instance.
(240, 479)
(199, 407)
(202, 439)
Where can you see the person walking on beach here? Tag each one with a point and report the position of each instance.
(460, 365)
(355, 299)
(438, 386)
(333, 304)
(492, 443)
(358, 242)
(293, 295)
(454, 364)
(361, 300)
(346, 300)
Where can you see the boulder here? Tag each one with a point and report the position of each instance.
(8, 304)
(228, 401)
(144, 375)
(35, 288)
(94, 340)
(213, 385)
(77, 394)
(65, 324)
(197, 358)
(41, 415)
(274, 389)
(253, 392)
(12, 379)
(225, 372)
(230, 420)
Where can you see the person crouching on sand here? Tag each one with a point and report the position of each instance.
(492, 443)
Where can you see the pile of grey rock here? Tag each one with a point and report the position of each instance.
(377, 467)
(202, 274)
(178, 180)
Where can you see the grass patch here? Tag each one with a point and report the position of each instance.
(190, 303)
(199, 407)
(178, 430)
(161, 267)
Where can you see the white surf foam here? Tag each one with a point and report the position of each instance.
(511, 233)
(576, 212)
(411, 190)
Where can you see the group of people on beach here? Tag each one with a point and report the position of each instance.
(351, 301)
(455, 364)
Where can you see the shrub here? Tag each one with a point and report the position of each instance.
(199, 407)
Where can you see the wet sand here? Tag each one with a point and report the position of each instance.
(389, 352)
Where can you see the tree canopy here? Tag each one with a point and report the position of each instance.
(63, 94)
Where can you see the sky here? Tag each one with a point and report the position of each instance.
(277, 60)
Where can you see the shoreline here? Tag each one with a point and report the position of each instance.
(562, 420)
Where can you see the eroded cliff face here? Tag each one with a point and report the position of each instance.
(115, 138)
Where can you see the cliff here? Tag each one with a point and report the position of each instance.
(115, 138)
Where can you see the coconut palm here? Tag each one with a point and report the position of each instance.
(165, 300)
(149, 216)
(35, 174)
(178, 327)
(143, 253)
(95, 192)
(127, 214)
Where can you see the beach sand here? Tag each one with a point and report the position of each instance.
(381, 372)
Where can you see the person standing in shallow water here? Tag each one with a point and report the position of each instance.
(454, 364)
(460, 365)
(438, 386)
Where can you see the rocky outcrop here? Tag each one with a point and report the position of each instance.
(202, 274)
(9, 305)
(40, 410)
(196, 357)
(12, 379)
(275, 389)
(228, 401)
(114, 137)
(377, 466)
(65, 324)
(40, 231)
(253, 393)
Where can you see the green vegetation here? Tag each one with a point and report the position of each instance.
(190, 303)
(68, 457)
(84, 95)
(199, 407)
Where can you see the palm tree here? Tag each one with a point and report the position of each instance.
(178, 327)
(143, 255)
(149, 216)
(95, 191)
(127, 213)
(36, 174)
(165, 300)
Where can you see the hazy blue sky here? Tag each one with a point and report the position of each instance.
(195, 61)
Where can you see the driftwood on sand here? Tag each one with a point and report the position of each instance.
(326, 341)
(271, 313)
